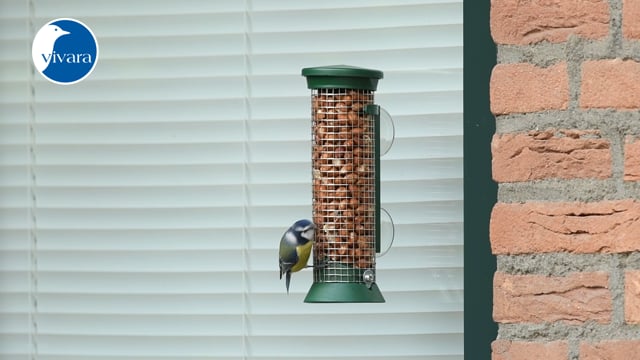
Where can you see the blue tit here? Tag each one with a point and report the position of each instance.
(295, 248)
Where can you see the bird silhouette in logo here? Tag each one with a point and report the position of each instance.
(43, 43)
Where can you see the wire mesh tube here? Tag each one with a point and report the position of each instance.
(344, 171)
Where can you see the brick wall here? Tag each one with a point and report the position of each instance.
(566, 156)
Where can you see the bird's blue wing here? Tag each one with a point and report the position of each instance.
(288, 253)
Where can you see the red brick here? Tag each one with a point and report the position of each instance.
(610, 350)
(632, 297)
(522, 350)
(575, 298)
(542, 155)
(610, 84)
(532, 21)
(523, 88)
(631, 19)
(542, 227)
(632, 159)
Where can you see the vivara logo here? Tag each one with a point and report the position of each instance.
(65, 51)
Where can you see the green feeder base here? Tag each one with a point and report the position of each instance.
(343, 292)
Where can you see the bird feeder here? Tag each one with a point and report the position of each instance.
(346, 149)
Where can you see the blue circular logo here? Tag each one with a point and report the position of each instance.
(64, 51)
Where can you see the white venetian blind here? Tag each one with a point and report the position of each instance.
(141, 209)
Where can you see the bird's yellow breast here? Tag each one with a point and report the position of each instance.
(303, 256)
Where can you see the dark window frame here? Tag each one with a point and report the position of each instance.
(480, 191)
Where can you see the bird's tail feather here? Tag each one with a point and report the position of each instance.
(288, 280)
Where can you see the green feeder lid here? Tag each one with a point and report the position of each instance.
(342, 77)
